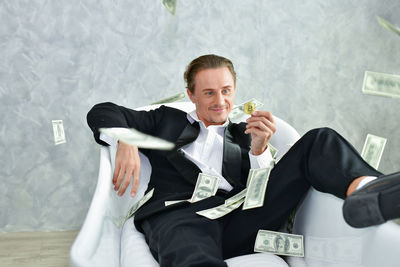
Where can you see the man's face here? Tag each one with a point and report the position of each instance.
(213, 95)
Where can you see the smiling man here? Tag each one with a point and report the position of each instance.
(207, 142)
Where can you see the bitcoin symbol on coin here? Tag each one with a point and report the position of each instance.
(249, 107)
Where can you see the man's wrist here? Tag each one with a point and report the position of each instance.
(257, 152)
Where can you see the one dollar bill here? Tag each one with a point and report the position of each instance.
(58, 131)
(172, 202)
(373, 150)
(387, 25)
(170, 5)
(139, 204)
(139, 139)
(279, 243)
(236, 198)
(220, 211)
(257, 186)
(381, 84)
(206, 186)
(170, 99)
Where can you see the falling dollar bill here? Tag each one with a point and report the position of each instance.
(58, 131)
(273, 150)
(171, 202)
(382, 84)
(134, 137)
(373, 150)
(220, 211)
(139, 204)
(170, 5)
(279, 243)
(387, 25)
(170, 99)
(239, 196)
(257, 185)
(237, 113)
(206, 186)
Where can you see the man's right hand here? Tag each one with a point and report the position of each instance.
(127, 164)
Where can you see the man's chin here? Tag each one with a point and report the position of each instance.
(220, 119)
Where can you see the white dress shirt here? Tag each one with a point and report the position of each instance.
(207, 150)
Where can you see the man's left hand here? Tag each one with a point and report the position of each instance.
(261, 126)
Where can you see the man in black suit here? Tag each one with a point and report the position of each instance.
(206, 141)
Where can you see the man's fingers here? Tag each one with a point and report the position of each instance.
(135, 183)
(264, 133)
(262, 113)
(126, 183)
(120, 179)
(116, 173)
(257, 121)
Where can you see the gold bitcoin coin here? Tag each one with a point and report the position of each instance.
(249, 107)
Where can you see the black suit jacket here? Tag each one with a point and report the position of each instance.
(173, 176)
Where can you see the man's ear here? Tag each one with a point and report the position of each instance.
(191, 96)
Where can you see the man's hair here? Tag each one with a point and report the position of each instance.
(206, 62)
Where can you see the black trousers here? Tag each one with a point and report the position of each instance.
(321, 158)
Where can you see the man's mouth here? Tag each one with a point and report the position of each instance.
(217, 109)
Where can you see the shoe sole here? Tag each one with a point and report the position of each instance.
(361, 209)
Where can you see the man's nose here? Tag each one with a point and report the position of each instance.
(220, 98)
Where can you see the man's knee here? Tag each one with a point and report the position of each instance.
(322, 133)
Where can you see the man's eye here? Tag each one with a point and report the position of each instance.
(208, 93)
(226, 91)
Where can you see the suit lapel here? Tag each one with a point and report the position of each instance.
(177, 158)
(232, 157)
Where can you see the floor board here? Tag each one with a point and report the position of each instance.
(36, 248)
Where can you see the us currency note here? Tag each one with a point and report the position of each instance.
(139, 204)
(237, 113)
(387, 25)
(279, 243)
(58, 131)
(206, 186)
(220, 211)
(170, 5)
(373, 149)
(257, 185)
(171, 202)
(381, 84)
(273, 150)
(170, 99)
(239, 196)
(139, 139)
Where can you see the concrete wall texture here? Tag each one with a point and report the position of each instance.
(305, 60)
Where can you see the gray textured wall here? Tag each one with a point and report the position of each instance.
(304, 59)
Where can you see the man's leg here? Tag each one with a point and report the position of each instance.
(322, 159)
(183, 238)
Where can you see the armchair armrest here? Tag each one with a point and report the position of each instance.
(98, 242)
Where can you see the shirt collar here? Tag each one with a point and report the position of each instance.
(192, 117)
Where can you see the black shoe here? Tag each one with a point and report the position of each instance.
(376, 202)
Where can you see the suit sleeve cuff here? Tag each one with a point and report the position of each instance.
(261, 161)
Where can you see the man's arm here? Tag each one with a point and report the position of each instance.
(107, 115)
(127, 160)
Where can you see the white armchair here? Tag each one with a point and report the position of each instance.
(104, 239)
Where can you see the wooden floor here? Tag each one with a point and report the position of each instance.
(36, 248)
